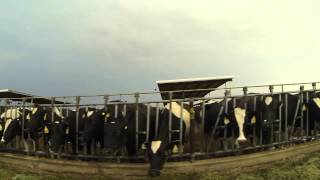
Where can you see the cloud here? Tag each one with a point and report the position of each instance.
(92, 47)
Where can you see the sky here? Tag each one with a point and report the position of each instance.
(81, 47)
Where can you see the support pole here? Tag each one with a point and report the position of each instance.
(170, 118)
(77, 122)
(271, 88)
(137, 96)
(301, 110)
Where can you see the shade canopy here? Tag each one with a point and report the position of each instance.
(191, 85)
(7, 93)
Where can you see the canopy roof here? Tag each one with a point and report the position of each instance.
(7, 93)
(191, 84)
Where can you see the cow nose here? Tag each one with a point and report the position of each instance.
(242, 142)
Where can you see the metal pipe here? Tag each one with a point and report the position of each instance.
(254, 125)
(116, 111)
(157, 122)
(301, 110)
(148, 124)
(203, 114)
(181, 129)
(77, 123)
(137, 120)
(106, 100)
(286, 117)
(260, 137)
(307, 115)
(170, 118)
(178, 91)
(226, 94)
(52, 109)
(23, 118)
(162, 101)
(280, 118)
(295, 117)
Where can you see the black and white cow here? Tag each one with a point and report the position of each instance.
(120, 129)
(90, 130)
(228, 119)
(268, 115)
(313, 106)
(93, 132)
(11, 124)
(36, 124)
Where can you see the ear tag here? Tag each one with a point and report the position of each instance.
(67, 131)
(143, 147)
(175, 149)
(226, 121)
(46, 130)
(83, 116)
(28, 117)
(1, 127)
(108, 115)
(253, 120)
(126, 127)
(304, 107)
(103, 114)
(45, 117)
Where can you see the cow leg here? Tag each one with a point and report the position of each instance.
(59, 152)
(26, 146)
(33, 145)
(225, 144)
(85, 151)
(88, 147)
(74, 148)
(93, 147)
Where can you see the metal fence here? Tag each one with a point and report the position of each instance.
(198, 149)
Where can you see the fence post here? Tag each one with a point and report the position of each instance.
(271, 140)
(77, 122)
(192, 130)
(301, 111)
(170, 118)
(137, 96)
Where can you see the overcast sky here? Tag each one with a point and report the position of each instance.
(79, 47)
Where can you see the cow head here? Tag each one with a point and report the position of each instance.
(116, 126)
(93, 124)
(58, 129)
(240, 117)
(268, 111)
(36, 121)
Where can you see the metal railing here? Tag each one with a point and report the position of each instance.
(144, 135)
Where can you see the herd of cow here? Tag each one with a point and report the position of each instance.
(114, 127)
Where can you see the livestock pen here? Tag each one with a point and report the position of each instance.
(287, 127)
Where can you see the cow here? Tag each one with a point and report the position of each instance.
(267, 115)
(313, 107)
(120, 130)
(90, 130)
(229, 119)
(36, 124)
(12, 125)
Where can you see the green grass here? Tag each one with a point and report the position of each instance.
(306, 169)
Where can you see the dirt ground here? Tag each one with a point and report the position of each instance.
(305, 168)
